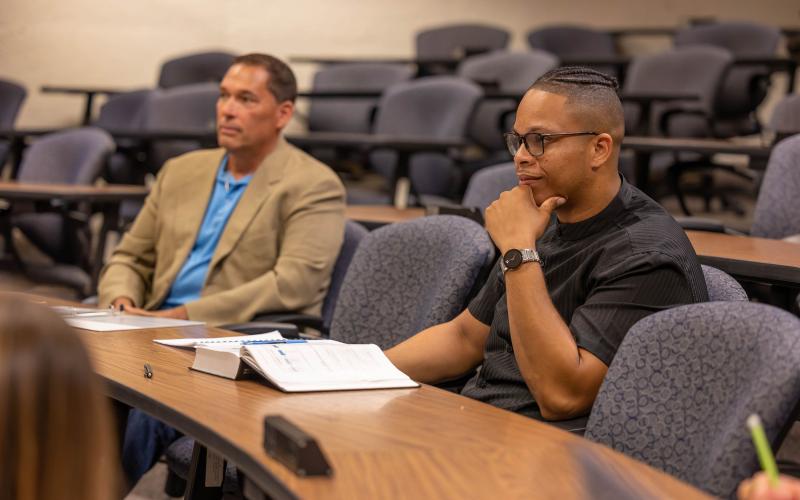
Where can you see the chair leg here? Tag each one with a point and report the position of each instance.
(175, 486)
(673, 178)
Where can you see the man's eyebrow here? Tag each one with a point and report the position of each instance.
(530, 130)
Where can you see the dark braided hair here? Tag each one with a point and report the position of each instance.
(577, 76)
(592, 95)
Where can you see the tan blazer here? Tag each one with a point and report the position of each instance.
(276, 252)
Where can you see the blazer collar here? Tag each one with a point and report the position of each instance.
(268, 173)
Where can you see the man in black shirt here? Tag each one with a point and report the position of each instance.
(555, 309)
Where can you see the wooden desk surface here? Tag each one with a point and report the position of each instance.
(425, 443)
(382, 214)
(749, 258)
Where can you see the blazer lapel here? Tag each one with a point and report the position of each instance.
(268, 173)
(193, 200)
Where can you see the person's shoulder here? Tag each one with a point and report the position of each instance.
(193, 161)
(650, 228)
(304, 168)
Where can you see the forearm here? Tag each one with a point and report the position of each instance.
(121, 279)
(545, 350)
(440, 352)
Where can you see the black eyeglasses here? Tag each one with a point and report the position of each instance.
(534, 141)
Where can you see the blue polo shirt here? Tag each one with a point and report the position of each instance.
(190, 279)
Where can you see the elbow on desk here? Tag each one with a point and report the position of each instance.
(559, 405)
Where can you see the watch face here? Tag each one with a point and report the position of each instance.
(512, 258)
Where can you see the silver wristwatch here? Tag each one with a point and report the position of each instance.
(514, 258)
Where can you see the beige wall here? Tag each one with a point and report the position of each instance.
(121, 44)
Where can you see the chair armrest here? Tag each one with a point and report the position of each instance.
(472, 213)
(693, 110)
(299, 320)
(253, 327)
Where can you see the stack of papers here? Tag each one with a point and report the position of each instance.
(101, 320)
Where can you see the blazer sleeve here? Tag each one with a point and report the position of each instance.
(312, 236)
(129, 271)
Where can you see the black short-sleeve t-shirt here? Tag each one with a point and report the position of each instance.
(603, 274)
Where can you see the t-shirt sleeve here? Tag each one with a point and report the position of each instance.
(635, 288)
(483, 305)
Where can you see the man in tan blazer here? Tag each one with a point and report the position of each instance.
(254, 226)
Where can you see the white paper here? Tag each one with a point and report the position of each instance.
(115, 322)
(321, 366)
(219, 341)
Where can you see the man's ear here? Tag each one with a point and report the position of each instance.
(285, 112)
(602, 148)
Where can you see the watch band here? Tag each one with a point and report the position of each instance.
(512, 261)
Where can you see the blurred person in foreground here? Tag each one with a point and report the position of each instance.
(56, 435)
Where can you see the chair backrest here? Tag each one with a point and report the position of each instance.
(202, 67)
(722, 286)
(510, 72)
(684, 381)
(70, 157)
(437, 106)
(74, 156)
(190, 108)
(740, 38)
(744, 87)
(778, 203)
(697, 70)
(408, 276)
(459, 40)
(572, 41)
(569, 41)
(487, 183)
(124, 111)
(12, 96)
(351, 115)
(785, 119)
(353, 234)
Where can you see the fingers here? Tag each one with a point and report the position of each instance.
(552, 203)
(137, 312)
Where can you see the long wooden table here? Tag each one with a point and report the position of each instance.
(421, 443)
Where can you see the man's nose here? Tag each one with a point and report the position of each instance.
(227, 107)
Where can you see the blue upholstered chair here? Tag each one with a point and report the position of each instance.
(125, 112)
(697, 70)
(12, 96)
(721, 286)
(575, 42)
(486, 185)
(188, 108)
(508, 72)
(351, 114)
(778, 203)
(438, 107)
(77, 157)
(744, 87)
(459, 40)
(408, 276)
(785, 119)
(685, 380)
(202, 67)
